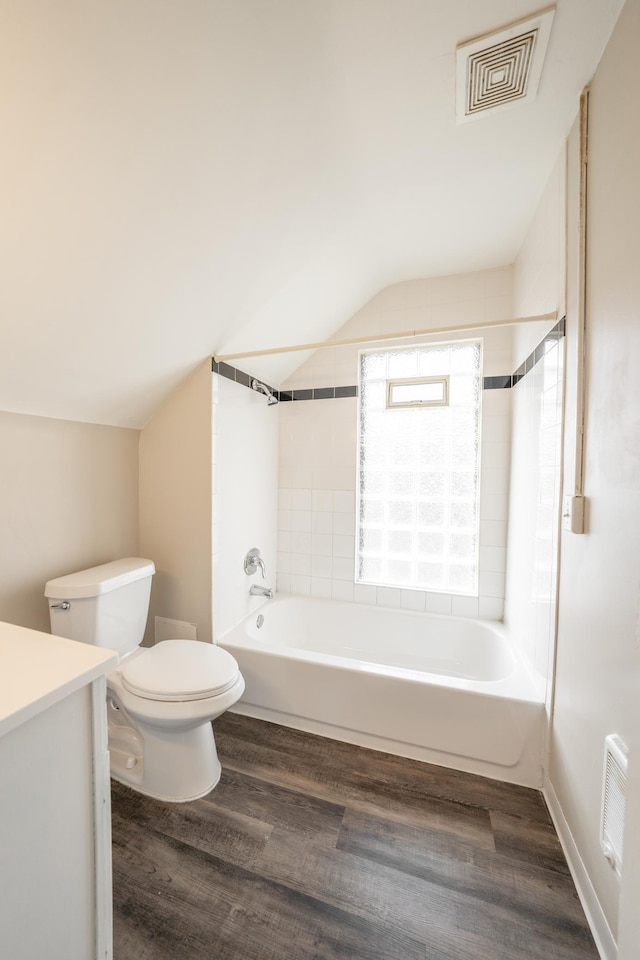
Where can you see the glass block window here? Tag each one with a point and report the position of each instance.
(419, 468)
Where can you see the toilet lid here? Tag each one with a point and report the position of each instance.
(180, 670)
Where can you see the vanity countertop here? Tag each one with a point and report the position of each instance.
(38, 669)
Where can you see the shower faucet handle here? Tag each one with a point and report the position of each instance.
(252, 561)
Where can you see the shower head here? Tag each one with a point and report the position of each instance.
(263, 388)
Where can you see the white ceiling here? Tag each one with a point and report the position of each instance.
(184, 177)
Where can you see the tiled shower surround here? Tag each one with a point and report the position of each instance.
(536, 480)
(317, 426)
(317, 500)
(317, 493)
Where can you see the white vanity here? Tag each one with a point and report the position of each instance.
(55, 811)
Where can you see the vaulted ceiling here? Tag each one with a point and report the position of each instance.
(184, 177)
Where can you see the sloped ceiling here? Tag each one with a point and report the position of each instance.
(184, 177)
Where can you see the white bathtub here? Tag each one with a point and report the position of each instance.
(446, 690)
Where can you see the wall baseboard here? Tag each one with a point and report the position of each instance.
(596, 919)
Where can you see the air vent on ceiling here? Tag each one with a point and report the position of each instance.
(500, 70)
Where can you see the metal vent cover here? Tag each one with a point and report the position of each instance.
(614, 797)
(503, 69)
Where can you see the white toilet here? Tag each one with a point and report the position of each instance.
(161, 700)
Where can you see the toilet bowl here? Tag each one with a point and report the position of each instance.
(160, 704)
(161, 700)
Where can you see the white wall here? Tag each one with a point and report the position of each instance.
(208, 492)
(69, 500)
(316, 500)
(539, 282)
(317, 471)
(175, 504)
(598, 655)
(245, 466)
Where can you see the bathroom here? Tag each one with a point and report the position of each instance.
(89, 490)
(313, 479)
(251, 480)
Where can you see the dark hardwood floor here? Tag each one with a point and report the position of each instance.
(311, 849)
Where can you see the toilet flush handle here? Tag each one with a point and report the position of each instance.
(65, 605)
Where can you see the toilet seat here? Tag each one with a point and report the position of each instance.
(180, 670)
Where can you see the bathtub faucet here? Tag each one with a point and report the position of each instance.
(258, 591)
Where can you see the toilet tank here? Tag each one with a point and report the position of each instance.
(106, 606)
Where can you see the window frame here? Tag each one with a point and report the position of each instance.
(447, 558)
(405, 381)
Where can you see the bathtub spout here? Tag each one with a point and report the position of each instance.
(258, 591)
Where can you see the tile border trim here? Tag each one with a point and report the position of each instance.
(335, 393)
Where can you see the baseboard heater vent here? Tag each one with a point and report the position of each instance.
(614, 796)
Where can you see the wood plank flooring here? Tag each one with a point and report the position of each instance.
(311, 849)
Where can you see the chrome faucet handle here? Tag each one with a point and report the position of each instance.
(252, 561)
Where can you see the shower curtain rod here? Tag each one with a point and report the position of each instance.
(403, 335)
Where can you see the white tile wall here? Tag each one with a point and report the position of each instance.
(342, 590)
(317, 462)
(535, 482)
(466, 607)
(413, 600)
(244, 502)
(320, 543)
(539, 287)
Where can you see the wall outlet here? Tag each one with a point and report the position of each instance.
(573, 511)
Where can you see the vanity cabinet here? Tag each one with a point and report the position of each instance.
(55, 811)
